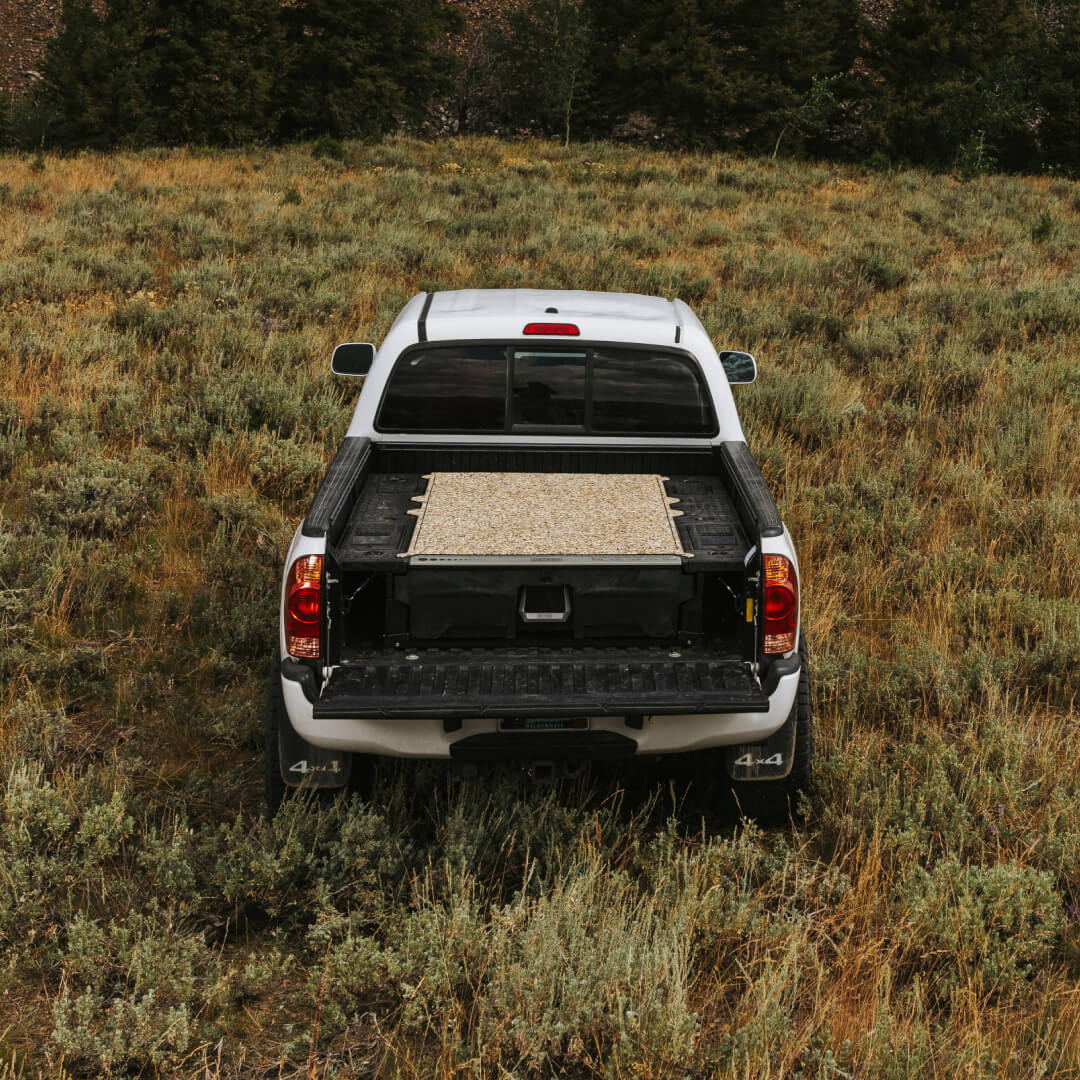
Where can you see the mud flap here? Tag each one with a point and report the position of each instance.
(301, 762)
(768, 760)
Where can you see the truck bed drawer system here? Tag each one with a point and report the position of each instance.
(605, 593)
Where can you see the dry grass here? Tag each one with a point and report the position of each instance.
(166, 408)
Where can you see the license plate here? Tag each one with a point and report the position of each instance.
(544, 723)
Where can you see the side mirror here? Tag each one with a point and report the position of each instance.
(739, 367)
(352, 358)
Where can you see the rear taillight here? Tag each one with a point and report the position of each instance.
(303, 607)
(781, 604)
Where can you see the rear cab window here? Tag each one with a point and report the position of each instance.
(534, 389)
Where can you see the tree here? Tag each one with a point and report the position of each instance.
(543, 51)
(952, 75)
(663, 60)
(161, 71)
(91, 93)
(361, 67)
(212, 69)
(7, 132)
(473, 100)
(813, 112)
(808, 51)
(720, 72)
(1059, 89)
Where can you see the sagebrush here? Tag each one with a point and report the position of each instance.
(166, 408)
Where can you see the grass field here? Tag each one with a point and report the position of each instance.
(166, 409)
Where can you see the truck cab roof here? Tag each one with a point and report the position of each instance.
(504, 313)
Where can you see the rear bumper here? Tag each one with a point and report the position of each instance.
(425, 734)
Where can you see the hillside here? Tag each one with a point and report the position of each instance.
(166, 408)
(26, 26)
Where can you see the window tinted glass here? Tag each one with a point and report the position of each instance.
(549, 388)
(447, 390)
(642, 393)
(607, 391)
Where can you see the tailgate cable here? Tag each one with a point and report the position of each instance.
(356, 592)
(328, 674)
(328, 671)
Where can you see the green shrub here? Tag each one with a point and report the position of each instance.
(240, 562)
(1044, 229)
(105, 497)
(814, 407)
(991, 929)
(132, 993)
(236, 401)
(59, 840)
(286, 470)
(881, 271)
(12, 438)
(588, 973)
(37, 732)
(326, 146)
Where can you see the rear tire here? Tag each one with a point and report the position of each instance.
(774, 802)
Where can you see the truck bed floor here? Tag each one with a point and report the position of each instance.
(380, 528)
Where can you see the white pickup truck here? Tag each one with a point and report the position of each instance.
(543, 541)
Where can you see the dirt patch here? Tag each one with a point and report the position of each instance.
(25, 28)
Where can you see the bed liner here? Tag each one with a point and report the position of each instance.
(380, 528)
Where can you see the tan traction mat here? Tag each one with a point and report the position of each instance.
(523, 514)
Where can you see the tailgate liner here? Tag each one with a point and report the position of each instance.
(464, 683)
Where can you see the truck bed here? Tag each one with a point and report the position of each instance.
(379, 529)
(616, 590)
